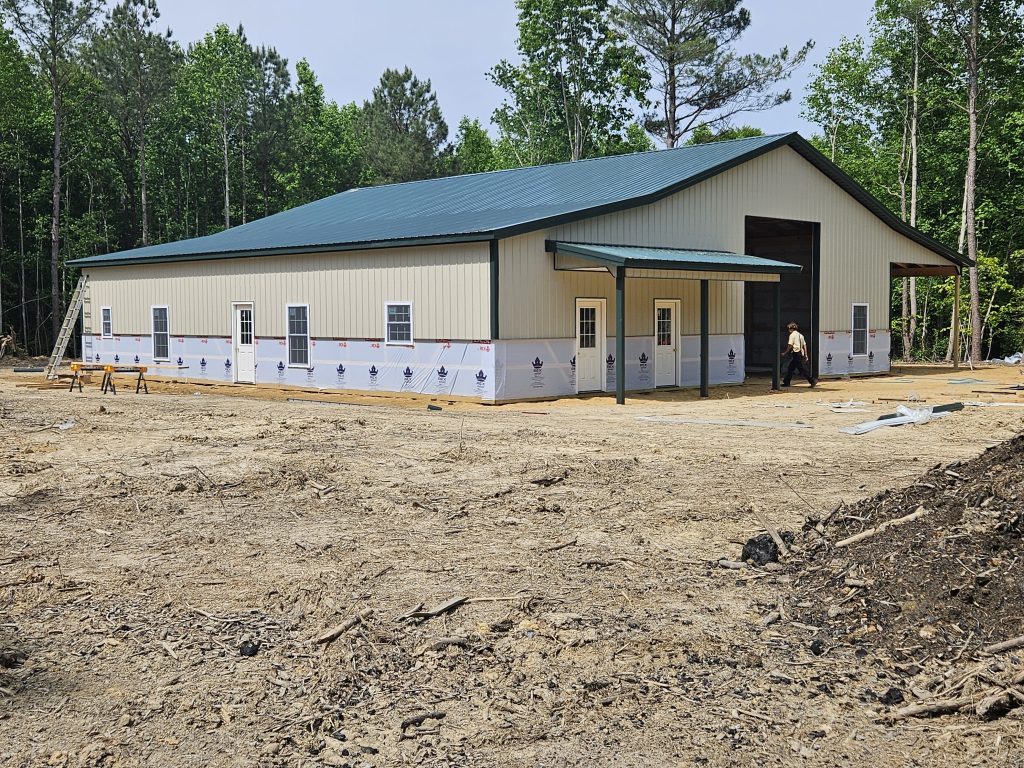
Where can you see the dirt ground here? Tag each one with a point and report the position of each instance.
(166, 561)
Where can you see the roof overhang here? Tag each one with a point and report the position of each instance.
(588, 257)
(922, 270)
(125, 258)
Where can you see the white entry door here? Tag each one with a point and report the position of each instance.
(590, 343)
(666, 343)
(244, 344)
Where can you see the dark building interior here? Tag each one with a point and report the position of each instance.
(794, 242)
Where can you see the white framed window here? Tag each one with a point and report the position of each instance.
(106, 323)
(161, 334)
(398, 322)
(297, 324)
(860, 329)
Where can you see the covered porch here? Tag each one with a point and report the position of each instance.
(901, 270)
(625, 262)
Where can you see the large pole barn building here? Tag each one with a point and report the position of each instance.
(673, 268)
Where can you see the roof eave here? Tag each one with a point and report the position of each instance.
(699, 266)
(582, 251)
(114, 261)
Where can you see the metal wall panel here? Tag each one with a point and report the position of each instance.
(538, 302)
(856, 247)
(448, 286)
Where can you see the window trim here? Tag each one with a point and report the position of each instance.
(152, 330)
(412, 335)
(104, 334)
(867, 329)
(288, 337)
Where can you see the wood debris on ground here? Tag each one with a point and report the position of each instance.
(167, 564)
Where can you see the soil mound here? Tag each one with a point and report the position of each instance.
(934, 569)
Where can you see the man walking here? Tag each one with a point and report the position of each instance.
(796, 348)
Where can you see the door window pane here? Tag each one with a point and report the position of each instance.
(298, 335)
(161, 334)
(245, 327)
(664, 329)
(860, 329)
(588, 328)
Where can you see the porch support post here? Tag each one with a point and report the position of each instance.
(956, 321)
(777, 314)
(494, 290)
(704, 338)
(620, 335)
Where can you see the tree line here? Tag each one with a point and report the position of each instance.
(115, 135)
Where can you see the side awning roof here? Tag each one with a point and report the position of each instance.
(636, 257)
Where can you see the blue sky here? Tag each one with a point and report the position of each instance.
(454, 42)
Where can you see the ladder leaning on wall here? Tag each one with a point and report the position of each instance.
(68, 327)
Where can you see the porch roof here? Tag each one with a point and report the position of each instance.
(637, 257)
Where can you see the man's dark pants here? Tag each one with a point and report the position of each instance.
(797, 364)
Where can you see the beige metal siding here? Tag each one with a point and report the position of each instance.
(856, 247)
(447, 285)
(537, 302)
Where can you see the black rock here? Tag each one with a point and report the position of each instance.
(891, 697)
(817, 647)
(249, 649)
(12, 659)
(762, 549)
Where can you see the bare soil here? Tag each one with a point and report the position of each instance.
(167, 560)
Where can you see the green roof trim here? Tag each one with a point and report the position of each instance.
(635, 257)
(488, 206)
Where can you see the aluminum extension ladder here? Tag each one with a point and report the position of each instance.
(77, 299)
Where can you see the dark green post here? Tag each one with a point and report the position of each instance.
(777, 313)
(705, 351)
(620, 335)
(495, 331)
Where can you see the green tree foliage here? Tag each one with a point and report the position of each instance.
(843, 100)
(705, 134)
(699, 77)
(19, 137)
(270, 130)
(473, 150)
(213, 90)
(53, 31)
(324, 147)
(403, 132)
(576, 86)
(136, 65)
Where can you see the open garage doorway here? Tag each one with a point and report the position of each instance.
(795, 242)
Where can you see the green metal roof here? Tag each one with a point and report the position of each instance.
(673, 258)
(486, 206)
